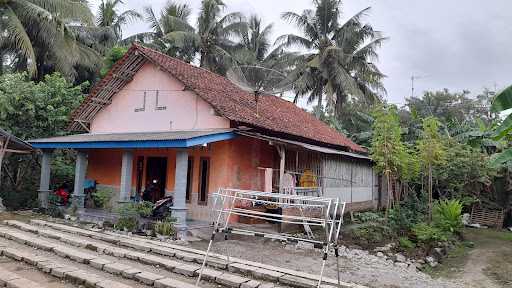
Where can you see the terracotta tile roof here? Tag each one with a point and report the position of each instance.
(274, 114)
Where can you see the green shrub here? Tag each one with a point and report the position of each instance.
(128, 217)
(428, 235)
(102, 197)
(410, 212)
(128, 223)
(372, 233)
(447, 215)
(165, 227)
(405, 243)
(144, 208)
(364, 217)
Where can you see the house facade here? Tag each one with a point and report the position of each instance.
(155, 121)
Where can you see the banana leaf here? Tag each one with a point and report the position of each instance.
(503, 100)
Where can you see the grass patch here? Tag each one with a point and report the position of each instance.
(453, 263)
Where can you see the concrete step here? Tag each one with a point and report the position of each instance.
(50, 266)
(238, 266)
(110, 265)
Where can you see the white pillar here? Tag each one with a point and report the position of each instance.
(44, 181)
(180, 190)
(80, 171)
(126, 176)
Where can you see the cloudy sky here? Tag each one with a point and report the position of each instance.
(450, 44)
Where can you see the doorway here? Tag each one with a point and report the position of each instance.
(156, 177)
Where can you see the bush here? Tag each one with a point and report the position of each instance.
(405, 243)
(428, 234)
(165, 227)
(129, 217)
(364, 217)
(410, 212)
(144, 208)
(127, 223)
(102, 196)
(447, 215)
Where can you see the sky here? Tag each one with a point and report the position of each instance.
(453, 44)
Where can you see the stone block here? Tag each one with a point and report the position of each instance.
(210, 274)
(298, 282)
(60, 272)
(22, 283)
(266, 274)
(111, 284)
(98, 263)
(6, 276)
(231, 280)
(172, 283)
(250, 284)
(116, 268)
(148, 278)
(163, 251)
(130, 273)
(187, 270)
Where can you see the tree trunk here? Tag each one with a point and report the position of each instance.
(430, 193)
(341, 98)
(319, 106)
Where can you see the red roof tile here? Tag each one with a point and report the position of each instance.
(274, 113)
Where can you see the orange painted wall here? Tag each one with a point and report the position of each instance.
(233, 164)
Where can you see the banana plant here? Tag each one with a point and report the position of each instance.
(501, 103)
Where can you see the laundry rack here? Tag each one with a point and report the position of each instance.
(317, 212)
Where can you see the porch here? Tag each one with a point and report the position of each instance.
(127, 163)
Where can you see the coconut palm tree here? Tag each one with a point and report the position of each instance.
(34, 34)
(173, 21)
(109, 17)
(339, 62)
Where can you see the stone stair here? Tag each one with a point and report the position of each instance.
(253, 269)
(134, 258)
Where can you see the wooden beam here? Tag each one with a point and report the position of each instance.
(18, 151)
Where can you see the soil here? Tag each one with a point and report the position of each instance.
(488, 264)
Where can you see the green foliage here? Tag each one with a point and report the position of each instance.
(32, 110)
(165, 227)
(388, 151)
(411, 211)
(128, 217)
(145, 208)
(102, 197)
(428, 234)
(430, 146)
(465, 171)
(112, 57)
(364, 217)
(448, 215)
(405, 243)
(372, 230)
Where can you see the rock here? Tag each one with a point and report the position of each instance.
(305, 245)
(400, 258)
(420, 261)
(431, 261)
(380, 254)
(401, 264)
(438, 253)
(465, 219)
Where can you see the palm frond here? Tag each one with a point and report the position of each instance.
(19, 40)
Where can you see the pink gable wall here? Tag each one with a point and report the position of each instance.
(184, 110)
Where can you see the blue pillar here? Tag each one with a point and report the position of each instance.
(180, 190)
(80, 171)
(44, 181)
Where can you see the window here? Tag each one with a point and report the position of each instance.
(204, 175)
(190, 174)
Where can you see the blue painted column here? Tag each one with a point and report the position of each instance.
(180, 190)
(125, 190)
(44, 181)
(80, 171)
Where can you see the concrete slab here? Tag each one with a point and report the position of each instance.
(172, 283)
(148, 277)
(210, 274)
(6, 276)
(98, 263)
(111, 284)
(266, 274)
(250, 284)
(60, 272)
(130, 273)
(231, 280)
(186, 269)
(116, 268)
(298, 282)
(22, 283)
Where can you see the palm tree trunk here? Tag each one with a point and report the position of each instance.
(319, 105)
(341, 98)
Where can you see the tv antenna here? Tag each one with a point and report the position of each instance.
(259, 81)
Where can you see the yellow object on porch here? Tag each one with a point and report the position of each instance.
(308, 179)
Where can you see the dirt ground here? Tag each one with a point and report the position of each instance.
(31, 273)
(487, 264)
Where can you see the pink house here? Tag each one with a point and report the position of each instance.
(155, 120)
